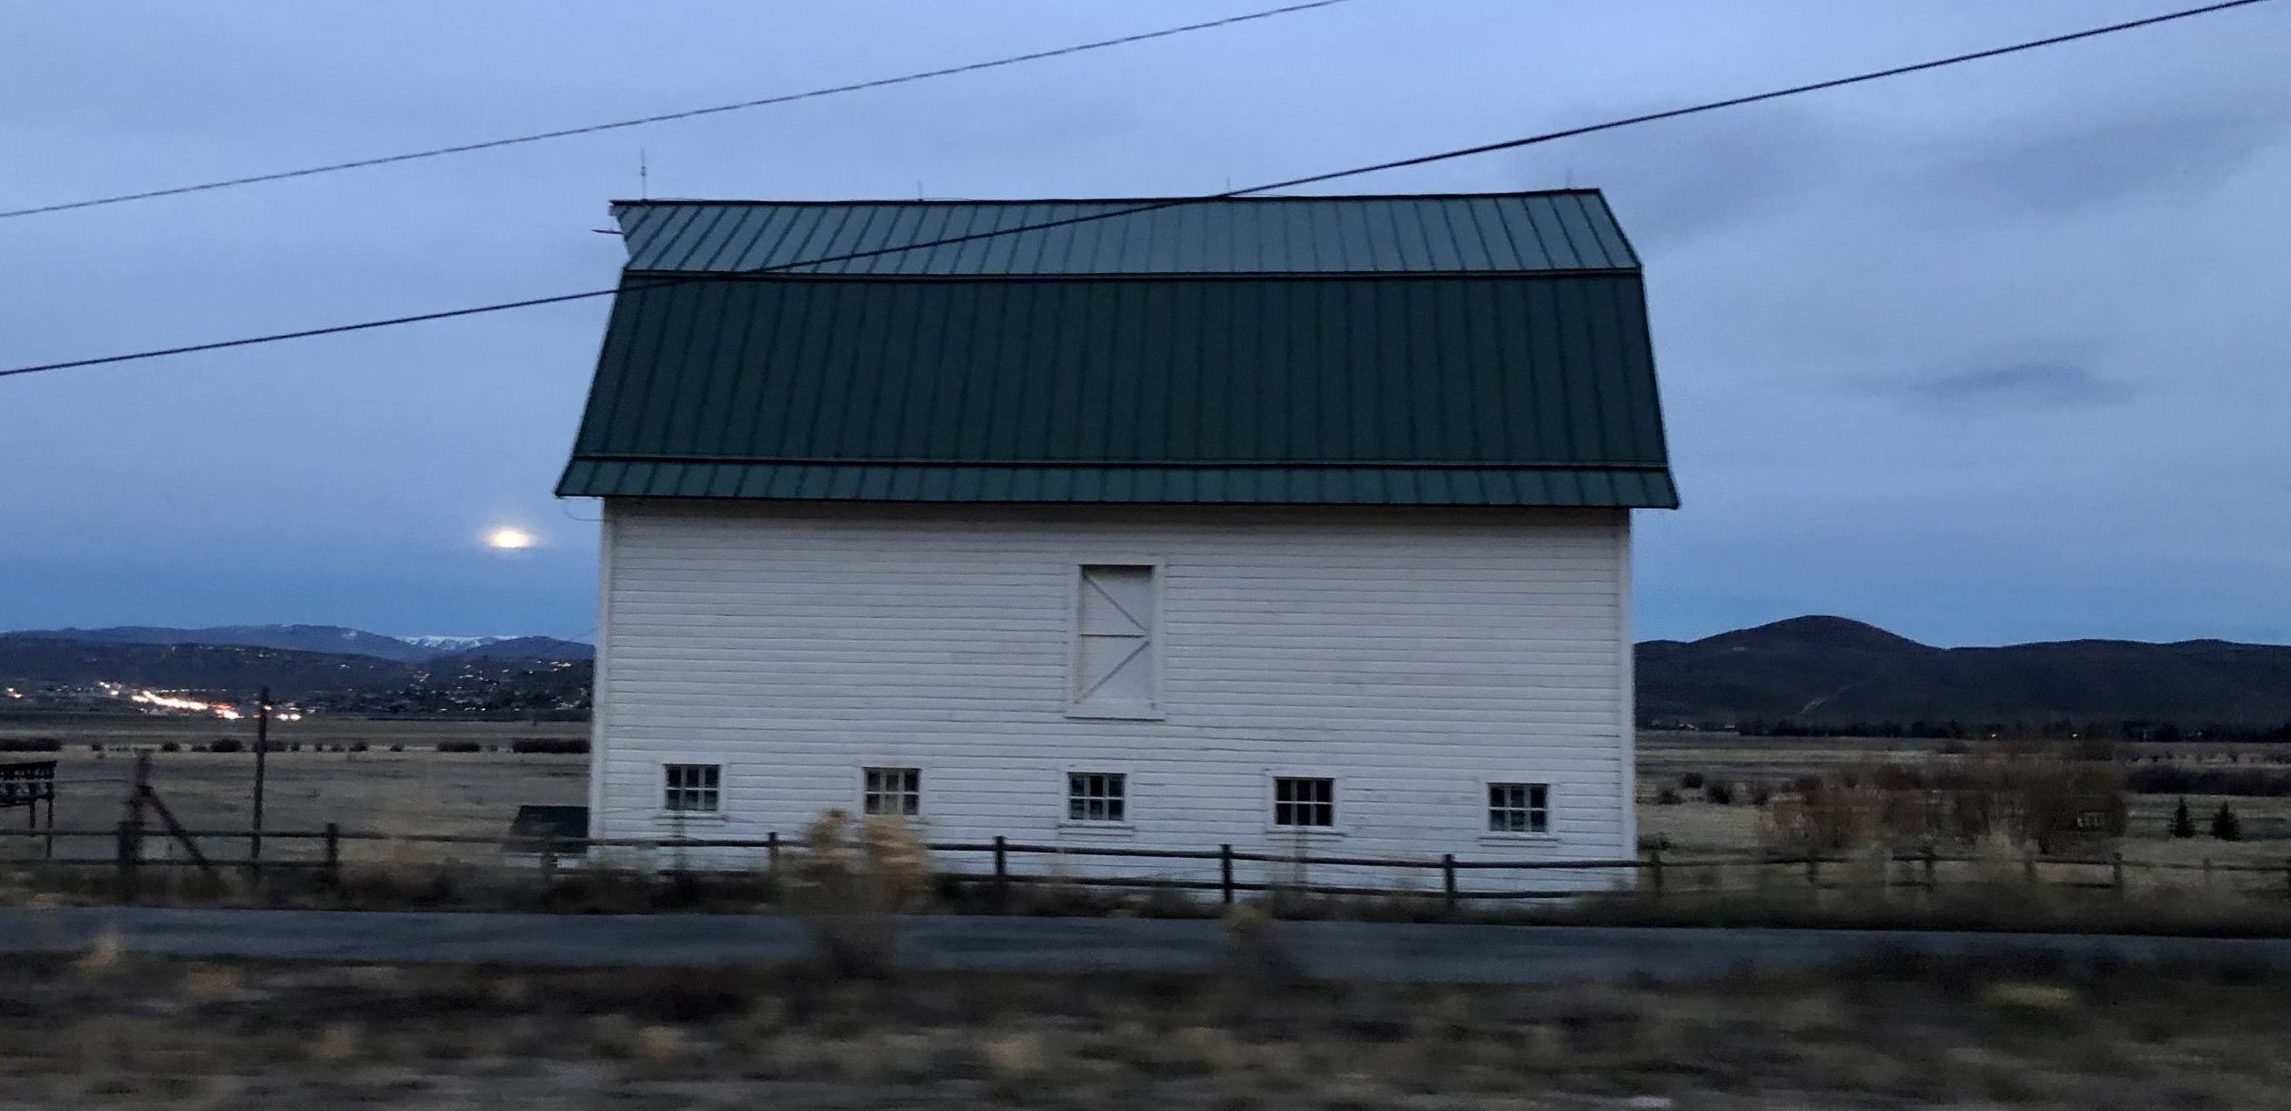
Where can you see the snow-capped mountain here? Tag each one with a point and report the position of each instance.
(329, 639)
(452, 644)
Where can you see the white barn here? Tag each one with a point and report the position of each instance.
(1277, 523)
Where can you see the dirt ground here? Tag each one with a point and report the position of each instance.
(114, 1030)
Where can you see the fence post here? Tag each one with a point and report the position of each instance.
(1931, 883)
(1814, 869)
(2116, 872)
(2287, 872)
(1655, 868)
(333, 855)
(548, 862)
(2207, 873)
(129, 851)
(1001, 872)
(262, 750)
(2028, 865)
(1225, 872)
(1448, 879)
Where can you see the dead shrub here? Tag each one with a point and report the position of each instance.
(847, 885)
(337, 1042)
(2046, 796)
(1254, 952)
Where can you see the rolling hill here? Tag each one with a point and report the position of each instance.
(327, 639)
(1810, 670)
(1832, 669)
(102, 669)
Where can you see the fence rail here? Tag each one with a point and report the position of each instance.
(1655, 871)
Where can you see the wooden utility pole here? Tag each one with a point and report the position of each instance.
(262, 753)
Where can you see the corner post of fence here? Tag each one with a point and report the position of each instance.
(2028, 865)
(1225, 872)
(772, 853)
(1814, 869)
(1932, 858)
(2116, 872)
(548, 862)
(333, 855)
(130, 853)
(1448, 880)
(1001, 871)
(1655, 869)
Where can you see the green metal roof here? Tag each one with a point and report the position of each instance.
(1506, 233)
(1076, 376)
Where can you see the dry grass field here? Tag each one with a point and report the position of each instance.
(416, 790)
(117, 1030)
(420, 790)
(1694, 824)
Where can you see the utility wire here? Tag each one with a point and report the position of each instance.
(665, 117)
(1153, 206)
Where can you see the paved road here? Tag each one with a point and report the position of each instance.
(1346, 950)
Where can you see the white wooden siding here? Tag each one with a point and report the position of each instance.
(1411, 655)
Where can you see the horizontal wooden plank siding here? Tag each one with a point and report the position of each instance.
(1411, 655)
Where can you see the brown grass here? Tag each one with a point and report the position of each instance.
(2027, 1030)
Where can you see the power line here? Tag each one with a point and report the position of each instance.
(666, 117)
(1155, 206)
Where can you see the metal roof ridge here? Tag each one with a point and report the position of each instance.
(798, 273)
(1178, 199)
(1126, 464)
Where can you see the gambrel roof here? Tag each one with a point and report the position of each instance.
(1449, 350)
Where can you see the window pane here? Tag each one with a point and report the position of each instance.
(1304, 802)
(1094, 796)
(1518, 807)
(690, 786)
(891, 791)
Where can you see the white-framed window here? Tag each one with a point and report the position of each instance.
(1097, 797)
(891, 791)
(1519, 808)
(1304, 802)
(1116, 668)
(692, 788)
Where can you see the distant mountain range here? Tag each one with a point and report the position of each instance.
(1816, 671)
(1835, 670)
(329, 639)
(320, 667)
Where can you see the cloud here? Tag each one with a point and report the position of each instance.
(2021, 386)
(1677, 184)
(2063, 169)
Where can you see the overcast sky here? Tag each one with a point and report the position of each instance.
(1986, 355)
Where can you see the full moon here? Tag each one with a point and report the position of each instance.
(509, 539)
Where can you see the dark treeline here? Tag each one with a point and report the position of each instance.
(2163, 732)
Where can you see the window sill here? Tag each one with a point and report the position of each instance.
(1115, 713)
(1097, 829)
(691, 817)
(1310, 833)
(1519, 838)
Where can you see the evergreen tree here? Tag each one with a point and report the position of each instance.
(2183, 821)
(2225, 825)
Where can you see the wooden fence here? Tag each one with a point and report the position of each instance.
(1656, 872)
